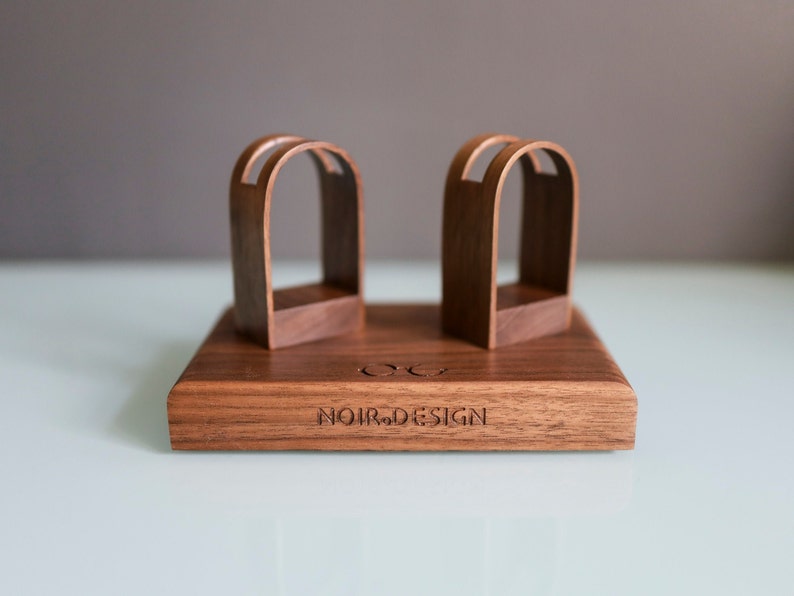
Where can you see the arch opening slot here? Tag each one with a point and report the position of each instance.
(535, 214)
(298, 227)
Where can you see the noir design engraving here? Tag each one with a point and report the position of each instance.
(422, 416)
(388, 370)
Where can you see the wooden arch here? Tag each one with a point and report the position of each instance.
(539, 304)
(300, 314)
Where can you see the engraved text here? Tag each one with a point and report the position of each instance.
(422, 416)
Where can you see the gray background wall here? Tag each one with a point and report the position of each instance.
(121, 121)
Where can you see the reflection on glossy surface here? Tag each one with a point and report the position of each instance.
(454, 555)
(357, 523)
(443, 484)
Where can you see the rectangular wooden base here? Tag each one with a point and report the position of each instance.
(401, 384)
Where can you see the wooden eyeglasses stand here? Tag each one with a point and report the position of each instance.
(492, 368)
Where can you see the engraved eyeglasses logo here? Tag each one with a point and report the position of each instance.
(389, 370)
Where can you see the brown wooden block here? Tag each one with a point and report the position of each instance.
(402, 384)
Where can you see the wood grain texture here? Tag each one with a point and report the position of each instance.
(403, 385)
(281, 318)
(473, 308)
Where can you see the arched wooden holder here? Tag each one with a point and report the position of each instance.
(403, 383)
(539, 304)
(285, 317)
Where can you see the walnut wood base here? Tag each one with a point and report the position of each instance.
(401, 384)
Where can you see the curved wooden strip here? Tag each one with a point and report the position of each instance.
(245, 163)
(472, 149)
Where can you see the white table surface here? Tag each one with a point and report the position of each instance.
(95, 502)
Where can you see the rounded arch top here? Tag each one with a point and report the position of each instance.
(242, 170)
(324, 155)
(470, 152)
(502, 163)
